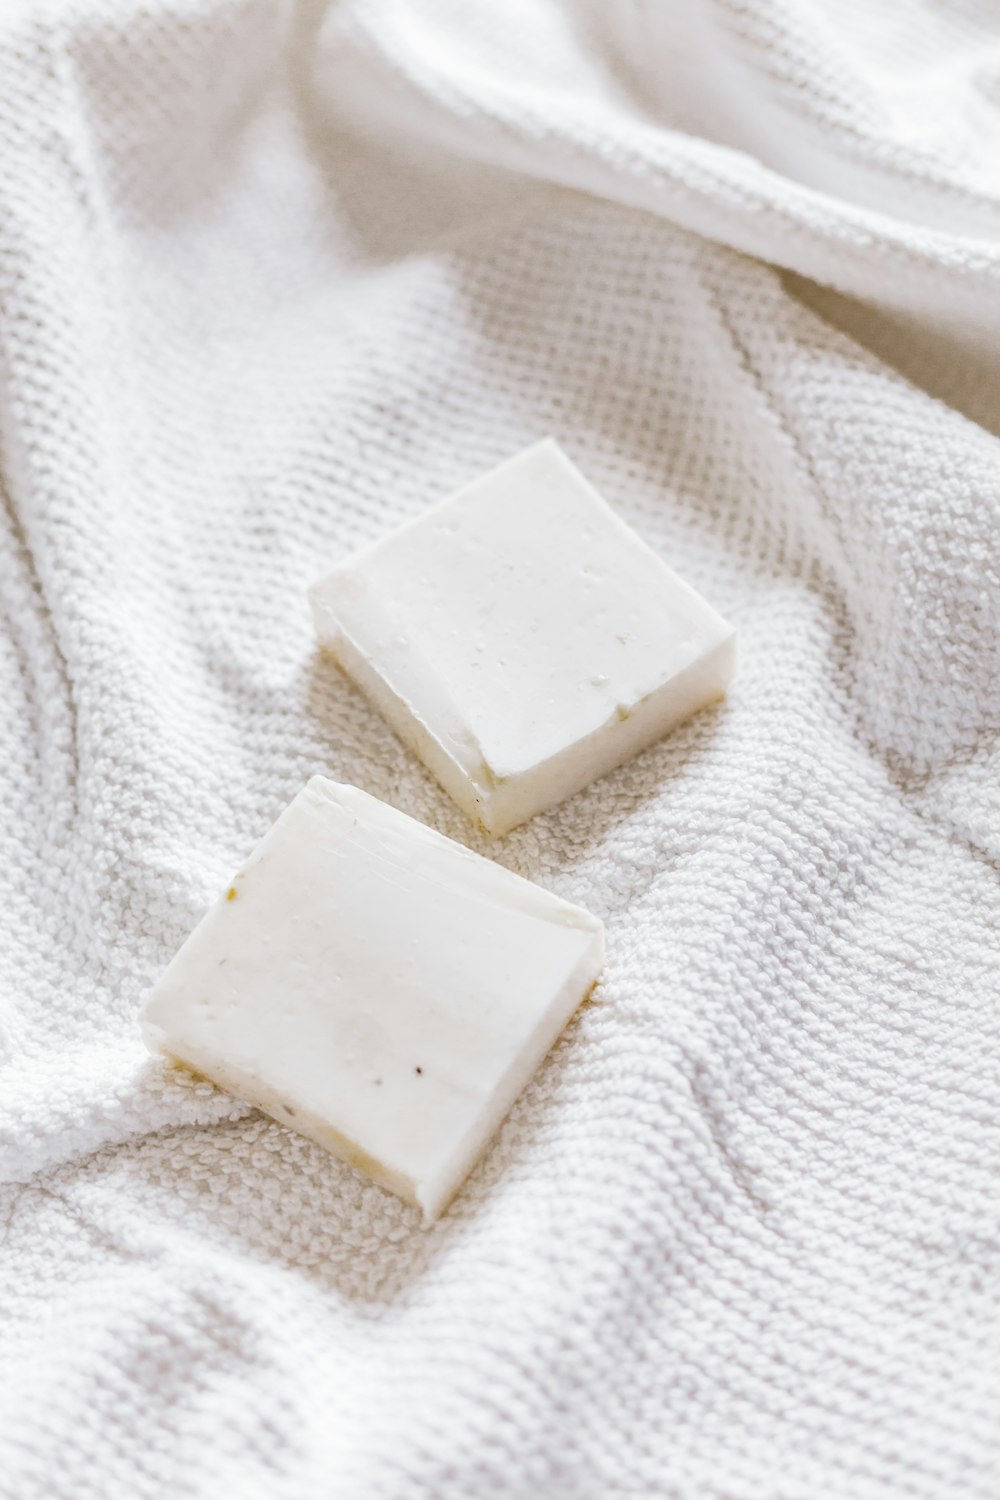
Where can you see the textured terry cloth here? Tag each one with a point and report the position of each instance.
(274, 278)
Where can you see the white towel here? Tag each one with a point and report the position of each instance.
(274, 277)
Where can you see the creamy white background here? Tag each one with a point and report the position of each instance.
(274, 278)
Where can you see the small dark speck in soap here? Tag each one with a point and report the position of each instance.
(418, 1070)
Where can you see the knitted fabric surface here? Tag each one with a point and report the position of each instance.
(275, 277)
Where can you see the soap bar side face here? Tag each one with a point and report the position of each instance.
(610, 746)
(511, 623)
(458, 769)
(375, 986)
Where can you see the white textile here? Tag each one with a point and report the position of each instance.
(275, 276)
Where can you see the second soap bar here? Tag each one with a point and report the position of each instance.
(377, 987)
(521, 639)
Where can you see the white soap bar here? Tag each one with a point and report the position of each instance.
(521, 639)
(377, 987)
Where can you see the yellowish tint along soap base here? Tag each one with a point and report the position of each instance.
(254, 1091)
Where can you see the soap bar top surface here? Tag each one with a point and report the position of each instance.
(515, 620)
(376, 986)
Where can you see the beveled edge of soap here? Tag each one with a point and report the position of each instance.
(259, 1095)
(545, 903)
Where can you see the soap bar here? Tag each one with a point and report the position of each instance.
(522, 639)
(377, 987)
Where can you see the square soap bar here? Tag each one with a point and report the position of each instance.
(377, 987)
(521, 639)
